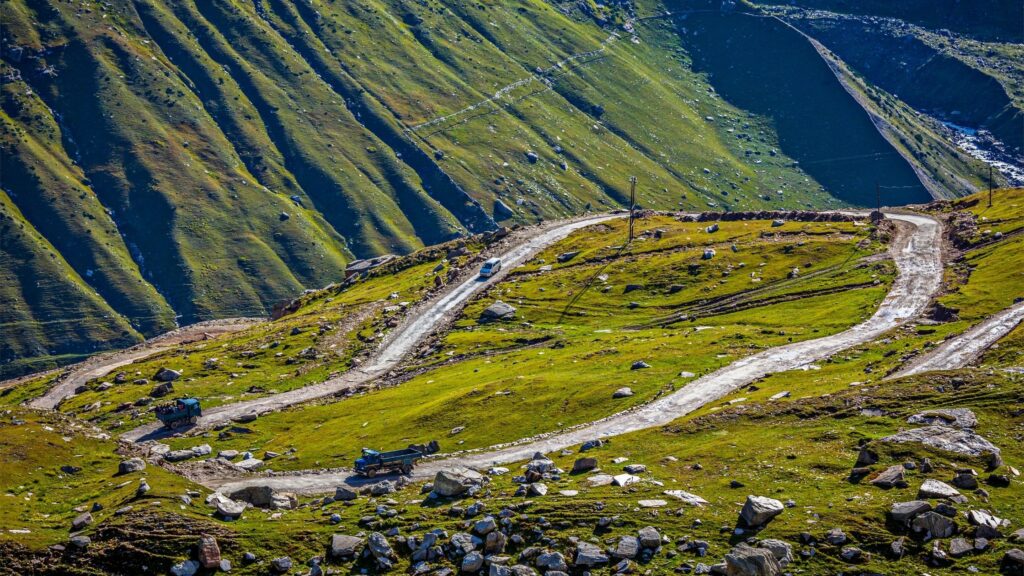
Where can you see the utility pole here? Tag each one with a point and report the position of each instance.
(632, 206)
(989, 185)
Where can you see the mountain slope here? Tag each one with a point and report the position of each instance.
(192, 160)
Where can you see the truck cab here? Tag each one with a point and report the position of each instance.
(490, 267)
(369, 458)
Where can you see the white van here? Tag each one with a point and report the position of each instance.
(490, 268)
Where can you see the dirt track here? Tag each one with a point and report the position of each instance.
(917, 252)
(965, 348)
(425, 319)
(102, 364)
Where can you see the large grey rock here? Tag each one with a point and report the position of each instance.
(345, 546)
(263, 496)
(380, 547)
(81, 521)
(628, 547)
(226, 507)
(498, 311)
(250, 464)
(649, 537)
(934, 525)
(686, 497)
(782, 550)
(344, 494)
(472, 562)
(166, 375)
(624, 392)
(746, 561)
(986, 518)
(456, 481)
(551, 561)
(179, 455)
(891, 477)
(958, 417)
(937, 489)
(957, 440)
(903, 512)
(281, 564)
(131, 465)
(758, 510)
(589, 555)
(584, 465)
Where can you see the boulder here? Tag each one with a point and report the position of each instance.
(649, 537)
(497, 311)
(281, 565)
(495, 543)
(746, 561)
(551, 561)
(628, 547)
(891, 477)
(80, 541)
(835, 537)
(599, 480)
(208, 552)
(1012, 563)
(958, 417)
(624, 480)
(782, 551)
(639, 365)
(226, 507)
(957, 440)
(903, 512)
(635, 468)
(537, 489)
(589, 555)
(758, 510)
(584, 465)
(985, 518)
(686, 497)
(263, 496)
(344, 494)
(472, 562)
(934, 525)
(959, 547)
(624, 392)
(250, 464)
(131, 465)
(166, 375)
(344, 546)
(380, 548)
(81, 521)
(161, 390)
(456, 481)
(936, 489)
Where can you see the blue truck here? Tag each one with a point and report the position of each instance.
(179, 413)
(373, 462)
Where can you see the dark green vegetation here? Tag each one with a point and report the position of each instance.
(178, 161)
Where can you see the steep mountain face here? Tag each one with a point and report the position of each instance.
(167, 162)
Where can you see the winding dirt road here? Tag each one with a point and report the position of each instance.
(425, 319)
(965, 348)
(917, 252)
(102, 364)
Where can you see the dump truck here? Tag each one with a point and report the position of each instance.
(179, 412)
(374, 462)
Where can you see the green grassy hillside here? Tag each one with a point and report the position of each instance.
(192, 160)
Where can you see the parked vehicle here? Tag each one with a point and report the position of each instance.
(490, 267)
(373, 462)
(180, 412)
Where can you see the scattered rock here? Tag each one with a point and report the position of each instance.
(166, 375)
(959, 547)
(891, 477)
(281, 565)
(628, 547)
(456, 481)
(688, 498)
(161, 390)
(649, 537)
(589, 556)
(835, 537)
(344, 494)
(746, 561)
(81, 521)
(497, 311)
(782, 551)
(934, 525)
(958, 440)
(624, 480)
(624, 392)
(208, 552)
(1012, 563)
(639, 365)
(758, 510)
(958, 417)
(584, 465)
(904, 512)
(936, 489)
